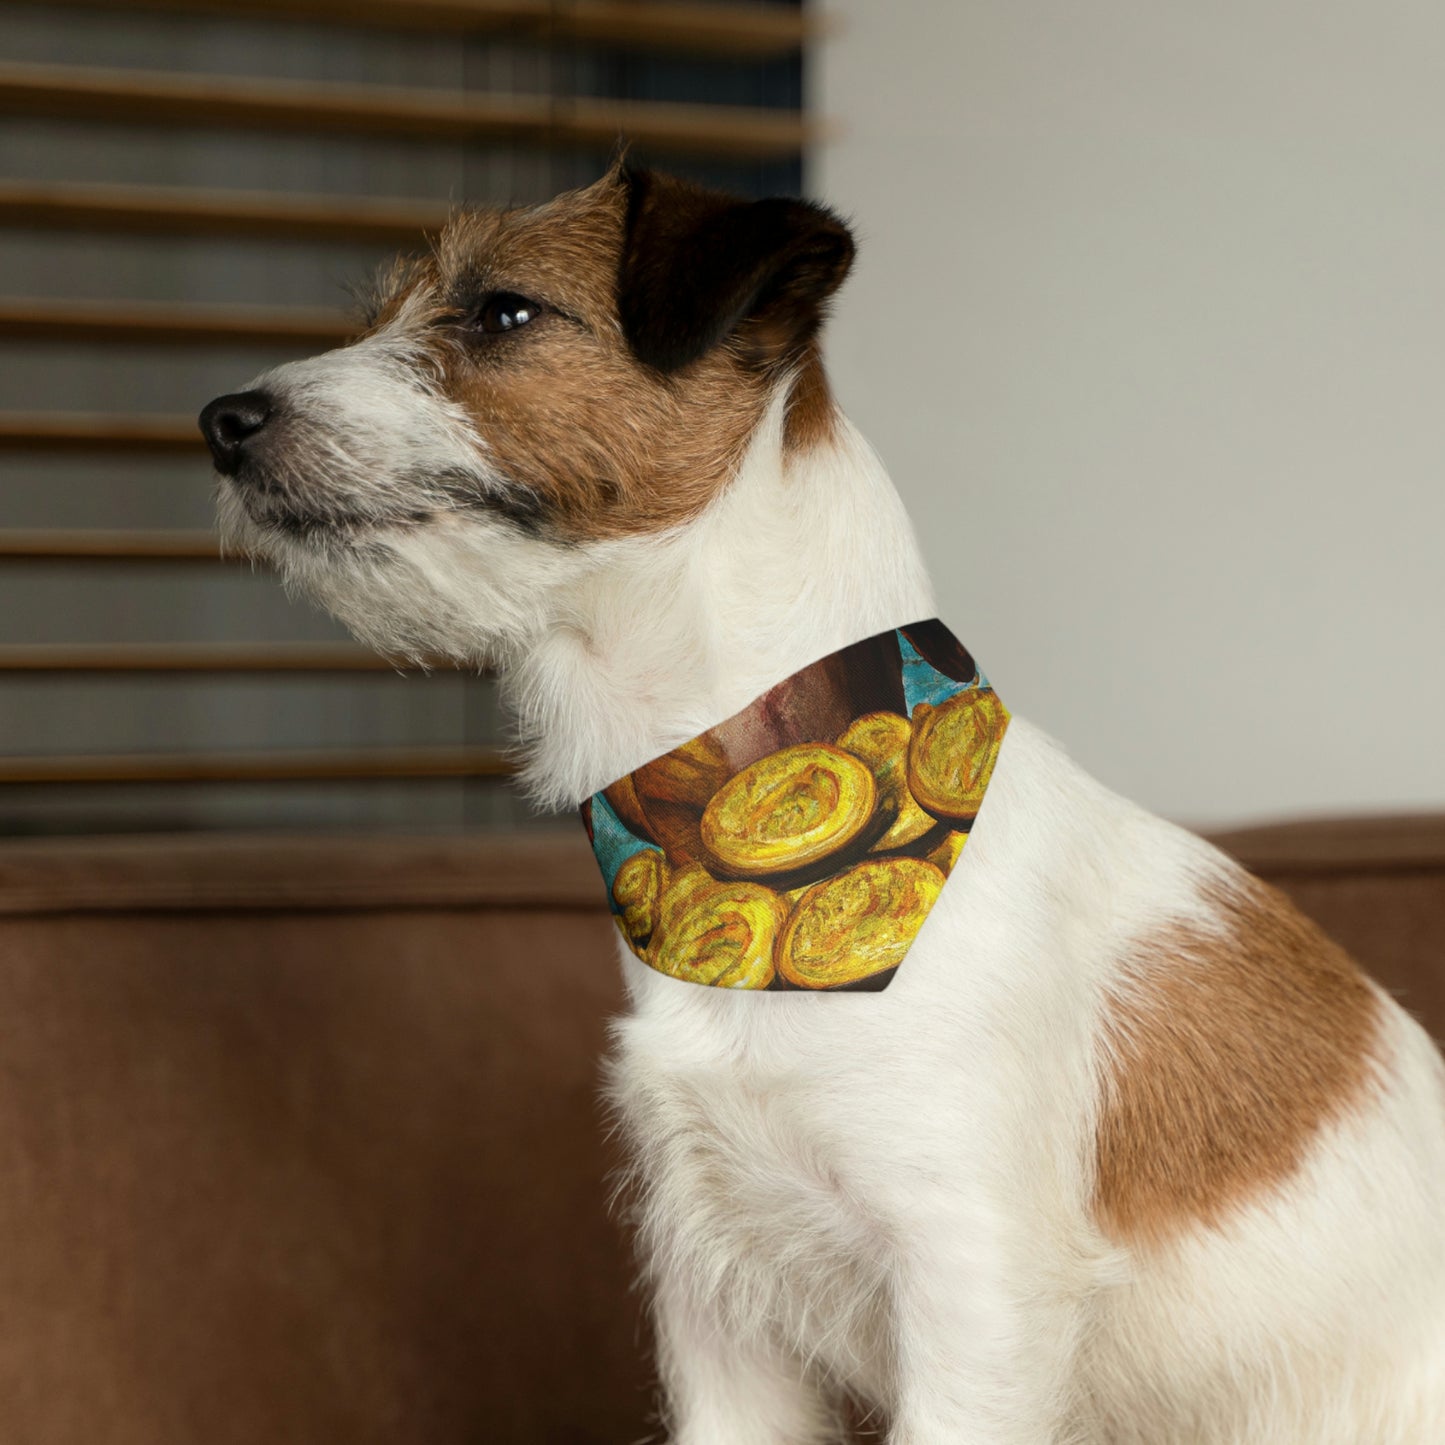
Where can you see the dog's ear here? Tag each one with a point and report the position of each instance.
(699, 267)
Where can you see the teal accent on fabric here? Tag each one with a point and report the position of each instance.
(613, 842)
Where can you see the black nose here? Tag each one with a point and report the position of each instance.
(229, 422)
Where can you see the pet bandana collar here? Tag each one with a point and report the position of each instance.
(801, 843)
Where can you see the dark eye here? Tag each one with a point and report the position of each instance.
(506, 311)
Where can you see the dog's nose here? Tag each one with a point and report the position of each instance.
(229, 422)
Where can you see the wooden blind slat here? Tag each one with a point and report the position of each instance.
(215, 101)
(176, 211)
(753, 31)
(109, 546)
(95, 431)
(170, 323)
(258, 767)
(315, 870)
(707, 29)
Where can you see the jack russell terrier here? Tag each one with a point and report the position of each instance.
(1125, 1152)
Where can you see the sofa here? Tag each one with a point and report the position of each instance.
(300, 1139)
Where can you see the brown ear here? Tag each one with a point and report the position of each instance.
(699, 266)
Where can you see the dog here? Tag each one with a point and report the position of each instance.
(1127, 1153)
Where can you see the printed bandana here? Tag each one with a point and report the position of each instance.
(801, 843)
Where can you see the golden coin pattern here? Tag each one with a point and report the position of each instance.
(801, 843)
(788, 811)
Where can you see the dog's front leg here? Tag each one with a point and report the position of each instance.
(985, 1346)
(722, 1386)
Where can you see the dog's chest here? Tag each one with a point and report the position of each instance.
(749, 1177)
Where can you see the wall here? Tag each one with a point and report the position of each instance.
(1149, 324)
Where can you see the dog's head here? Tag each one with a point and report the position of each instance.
(545, 382)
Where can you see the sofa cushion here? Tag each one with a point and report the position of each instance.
(300, 1140)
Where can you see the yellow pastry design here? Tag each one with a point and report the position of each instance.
(881, 740)
(857, 924)
(638, 890)
(723, 934)
(953, 751)
(682, 887)
(788, 811)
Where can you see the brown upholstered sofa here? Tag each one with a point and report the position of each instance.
(299, 1141)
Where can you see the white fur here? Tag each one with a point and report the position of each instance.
(889, 1193)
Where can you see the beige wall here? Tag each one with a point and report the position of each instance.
(1149, 324)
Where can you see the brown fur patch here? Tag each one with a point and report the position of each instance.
(812, 412)
(700, 266)
(1228, 1053)
(595, 442)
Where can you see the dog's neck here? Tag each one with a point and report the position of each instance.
(804, 553)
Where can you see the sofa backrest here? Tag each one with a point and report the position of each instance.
(300, 1142)
(300, 1138)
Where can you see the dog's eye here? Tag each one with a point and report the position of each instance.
(505, 311)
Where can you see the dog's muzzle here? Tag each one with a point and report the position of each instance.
(231, 424)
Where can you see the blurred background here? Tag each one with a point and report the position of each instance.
(190, 194)
(1148, 325)
(302, 1005)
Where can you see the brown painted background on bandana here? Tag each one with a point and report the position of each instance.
(813, 705)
